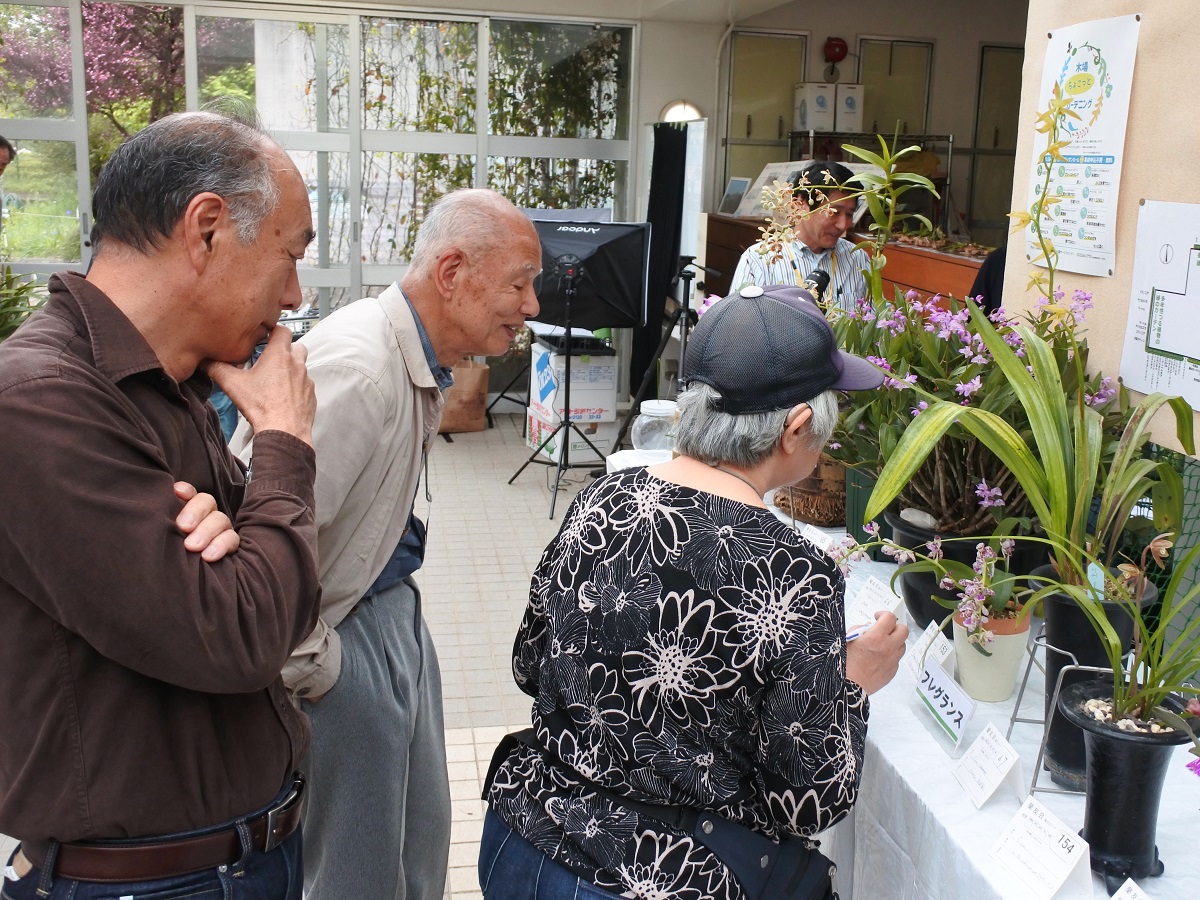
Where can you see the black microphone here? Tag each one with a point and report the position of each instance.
(816, 283)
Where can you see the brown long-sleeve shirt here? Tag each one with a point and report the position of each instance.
(139, 685)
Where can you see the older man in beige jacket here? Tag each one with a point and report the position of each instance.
(378, 823)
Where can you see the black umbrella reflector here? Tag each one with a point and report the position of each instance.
(606, 263)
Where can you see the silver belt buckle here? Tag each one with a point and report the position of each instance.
(290, 799)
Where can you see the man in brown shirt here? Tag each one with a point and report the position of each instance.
(140, 690)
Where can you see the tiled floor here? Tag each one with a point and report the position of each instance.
(484, 540)
(485, 537)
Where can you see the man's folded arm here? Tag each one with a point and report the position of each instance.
(108, 527)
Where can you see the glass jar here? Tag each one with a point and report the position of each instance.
(654, 427)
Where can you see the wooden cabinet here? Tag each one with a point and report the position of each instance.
(927, 271)
(728, 236)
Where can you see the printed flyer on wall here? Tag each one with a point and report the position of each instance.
(1092, 63)
(1162, 347)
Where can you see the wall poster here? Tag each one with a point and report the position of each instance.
(1093, 64)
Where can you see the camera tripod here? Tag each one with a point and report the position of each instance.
(570, 269)
(683, 313)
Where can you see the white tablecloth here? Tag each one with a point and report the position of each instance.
(916, 835)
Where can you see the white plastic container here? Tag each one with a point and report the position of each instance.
(654, 427)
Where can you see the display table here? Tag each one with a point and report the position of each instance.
(915, 834)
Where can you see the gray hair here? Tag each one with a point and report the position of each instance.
(147, 184)
(712, 436)
(463, 219)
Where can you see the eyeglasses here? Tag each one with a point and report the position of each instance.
(845, 401)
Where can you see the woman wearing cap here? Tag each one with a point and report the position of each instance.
(685, 648)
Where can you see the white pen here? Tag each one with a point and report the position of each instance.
(857, 631)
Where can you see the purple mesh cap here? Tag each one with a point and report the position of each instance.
(771, 347)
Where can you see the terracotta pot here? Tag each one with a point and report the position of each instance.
(1124, 780)
(991, 679)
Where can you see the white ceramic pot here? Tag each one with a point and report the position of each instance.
(991, 679)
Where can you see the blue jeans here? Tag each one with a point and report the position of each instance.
(277, 875)
(511, 868)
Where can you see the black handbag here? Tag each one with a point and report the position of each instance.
(790, 869)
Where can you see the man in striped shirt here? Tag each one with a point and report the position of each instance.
(819, 240)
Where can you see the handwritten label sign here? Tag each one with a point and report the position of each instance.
(990, 762)
(1130, 891)
(1043, 852)
(945, 699)
(935, 642)
(874, 596)
(818, 538)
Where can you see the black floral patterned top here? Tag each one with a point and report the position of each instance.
(682, 649)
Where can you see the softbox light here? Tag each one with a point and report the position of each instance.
(609, 278)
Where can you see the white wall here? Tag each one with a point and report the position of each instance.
(1159, 164)
(678, 62)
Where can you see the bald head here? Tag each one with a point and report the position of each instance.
(472, 274)
(469, 219)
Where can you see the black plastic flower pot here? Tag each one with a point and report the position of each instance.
(859, 486)
(1069, 633)
(919, 588)
(1124, 782)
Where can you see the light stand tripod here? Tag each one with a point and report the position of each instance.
(569, 269)
(683, 313)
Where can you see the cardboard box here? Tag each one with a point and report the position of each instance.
(848, 114)
(467, 399)
(813, 107)
(601, 434)
(593, 386)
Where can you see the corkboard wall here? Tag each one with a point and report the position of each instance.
(1160, 162)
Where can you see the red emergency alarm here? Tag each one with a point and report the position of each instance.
(835, 50)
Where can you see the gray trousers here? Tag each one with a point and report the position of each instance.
(377, 823)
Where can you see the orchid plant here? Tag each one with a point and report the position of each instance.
(1081, 476)
(1055, 432)
(934, 352)
(986, 589)
(930, 352)
(1165, 657)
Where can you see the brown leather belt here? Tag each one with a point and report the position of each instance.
(122, 861)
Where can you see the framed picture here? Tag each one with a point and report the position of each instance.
(751, 204)
(733, 195)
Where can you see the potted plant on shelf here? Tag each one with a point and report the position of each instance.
(1133, 720)
(1081, 477)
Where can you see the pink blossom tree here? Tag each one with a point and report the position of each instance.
(133, 61)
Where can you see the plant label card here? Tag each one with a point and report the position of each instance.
(1049, 858)
(1130, 891)
(823, 541)
(945, 700)
(931, 640)
(873, 597)
(990, 762)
